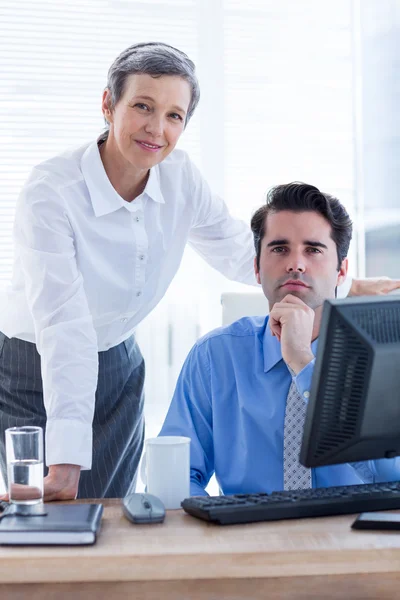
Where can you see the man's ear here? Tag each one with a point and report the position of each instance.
(342, 274)
(106, 104)
(256, 271)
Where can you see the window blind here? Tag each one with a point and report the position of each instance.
(289, 98)
(283, 109)
(53, 68)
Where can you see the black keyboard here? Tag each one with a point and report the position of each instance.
(295, 504)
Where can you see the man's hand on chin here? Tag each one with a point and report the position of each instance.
(373, 286)
(291, 321)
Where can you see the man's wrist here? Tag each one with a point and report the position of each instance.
(301, 362)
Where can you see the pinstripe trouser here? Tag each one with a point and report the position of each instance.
(118, 423)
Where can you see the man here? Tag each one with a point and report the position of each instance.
(242, 384)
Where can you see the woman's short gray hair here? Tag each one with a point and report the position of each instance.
(155, 59)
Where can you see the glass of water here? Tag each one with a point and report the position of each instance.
(24, 450)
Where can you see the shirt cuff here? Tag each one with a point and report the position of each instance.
(303, 380)
(344, 289)
(68, 442)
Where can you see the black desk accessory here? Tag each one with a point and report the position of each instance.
(295, 504)
(377, 521)
(50, 524)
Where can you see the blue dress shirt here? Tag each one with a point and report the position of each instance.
(230, 400)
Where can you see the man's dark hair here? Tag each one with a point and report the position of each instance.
(300, 197)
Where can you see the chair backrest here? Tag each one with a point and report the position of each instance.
(242, 304)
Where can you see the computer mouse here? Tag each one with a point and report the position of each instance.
(143, 508)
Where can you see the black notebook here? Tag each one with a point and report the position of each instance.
(50, 524)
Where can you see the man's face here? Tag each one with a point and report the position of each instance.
(299, 257)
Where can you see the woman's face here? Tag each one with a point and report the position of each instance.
(147, 121)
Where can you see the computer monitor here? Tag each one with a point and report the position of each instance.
(354, 406)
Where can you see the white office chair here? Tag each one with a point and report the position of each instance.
(242, 304)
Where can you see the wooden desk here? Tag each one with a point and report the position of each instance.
(188, 558)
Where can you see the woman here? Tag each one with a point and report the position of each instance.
(99, 234)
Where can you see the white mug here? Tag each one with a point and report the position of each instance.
(166, 469)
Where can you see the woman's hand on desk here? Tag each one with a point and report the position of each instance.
(61, 483)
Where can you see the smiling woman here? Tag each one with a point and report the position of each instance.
(100, 233)
(145, 125)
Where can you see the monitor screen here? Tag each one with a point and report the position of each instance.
(354, 406)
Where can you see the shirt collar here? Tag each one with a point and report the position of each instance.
(153, 188)
(272, 349)
(105, 199)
